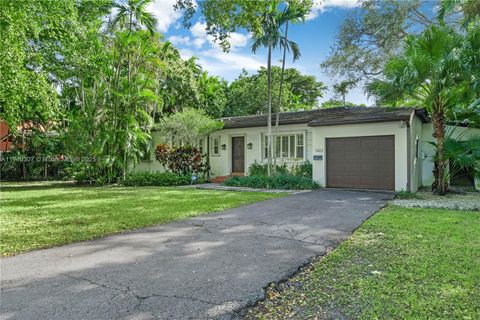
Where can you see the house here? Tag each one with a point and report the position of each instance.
(349, 147)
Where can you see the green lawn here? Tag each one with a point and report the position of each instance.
(400, 264)
(40, 215)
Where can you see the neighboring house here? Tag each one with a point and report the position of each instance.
(349, 147)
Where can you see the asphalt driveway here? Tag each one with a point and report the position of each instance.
(211, 266)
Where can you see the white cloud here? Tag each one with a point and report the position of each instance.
(320, 5)
(236, 39)
(165, 13)
(185, 54)
(176, 40)
(198, 42)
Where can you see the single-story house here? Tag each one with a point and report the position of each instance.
(349, 147)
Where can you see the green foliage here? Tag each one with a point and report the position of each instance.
(162, 179)
(304, 170)
(257, 169)
(223, 17)
(279, 181)
(182, 160)
(38, 158)
(462, 154)
(332, 103)
(246, 94)
(440, 70)
(187, 127)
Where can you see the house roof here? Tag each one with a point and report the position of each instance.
(327, 117)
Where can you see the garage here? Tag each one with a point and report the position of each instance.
(361, 162)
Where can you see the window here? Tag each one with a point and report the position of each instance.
(200, 146)
(216, 146)
(287, 146)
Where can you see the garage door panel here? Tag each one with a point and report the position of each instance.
(361, 162)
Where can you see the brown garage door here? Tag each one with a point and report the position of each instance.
(361, 162)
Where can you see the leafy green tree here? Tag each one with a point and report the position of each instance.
(212, 94)
(341, 89)
(133, 14)
(36, 37)
(246, 94)
(186, 127)
(434, 69)
(223, 17)
(332, 103)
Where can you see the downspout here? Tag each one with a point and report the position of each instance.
(409, 165)
(208, 157)
(409, 153)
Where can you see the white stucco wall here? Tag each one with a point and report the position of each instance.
(397, 129)
(222, 164)
(421, 167)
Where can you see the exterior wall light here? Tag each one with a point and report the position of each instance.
(249, 145)
(224, 146)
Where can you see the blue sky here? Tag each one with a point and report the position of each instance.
(315, 38)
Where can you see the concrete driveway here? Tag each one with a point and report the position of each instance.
(211, 266)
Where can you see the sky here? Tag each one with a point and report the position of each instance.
(315, 38)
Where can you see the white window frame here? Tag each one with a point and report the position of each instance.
(200, 146)
(218, 146)
(289, 148)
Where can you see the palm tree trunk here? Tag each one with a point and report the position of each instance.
(438, 121)
(269, 89)
(280, 94)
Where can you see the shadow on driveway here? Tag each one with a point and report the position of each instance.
(205, 267)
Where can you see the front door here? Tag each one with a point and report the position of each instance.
(238, 155)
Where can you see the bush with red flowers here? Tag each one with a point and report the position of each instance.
(182, 159)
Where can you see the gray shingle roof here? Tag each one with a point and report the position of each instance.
(326, 117)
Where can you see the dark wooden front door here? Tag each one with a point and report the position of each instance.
(238, 155)
(361, 162)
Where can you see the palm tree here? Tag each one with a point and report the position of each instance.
(432, 69)
(269, 38)
(132, 14)
(342, 89)
(288, 15)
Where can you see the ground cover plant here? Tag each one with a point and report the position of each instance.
(400, 264)
(40, 215)
(283, 182)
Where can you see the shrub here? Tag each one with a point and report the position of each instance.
(183, 160)
(145, 178)
(257, 169)
(283, 182)
(304, 170)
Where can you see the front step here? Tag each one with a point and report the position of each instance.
(221, 179)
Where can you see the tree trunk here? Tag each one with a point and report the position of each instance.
(280, 94)
(269, 89)
(438, 121)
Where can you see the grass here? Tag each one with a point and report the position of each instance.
(400, 264)
(41, 215)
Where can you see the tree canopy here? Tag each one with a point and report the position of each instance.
(246, 94)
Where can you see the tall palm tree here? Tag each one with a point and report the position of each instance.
(133, 14)
(269, 38)
(432, 69)
(342, 89)
(288, 15)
